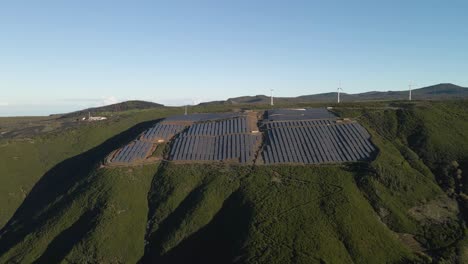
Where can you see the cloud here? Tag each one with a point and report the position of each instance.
(93, 102)
(185, 101)
(4, 104)
(109, 100)
(82, 100)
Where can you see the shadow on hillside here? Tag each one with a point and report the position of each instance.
(62, 244)
(176, 218)
(52, 192)
(464, 189)
(220, 241)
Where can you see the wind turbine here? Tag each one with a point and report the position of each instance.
(339, 91)
(271, 97)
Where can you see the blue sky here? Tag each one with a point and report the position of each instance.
(59, 56)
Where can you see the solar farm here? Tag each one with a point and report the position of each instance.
(162, 132)
(235, 139)
(279, 136)
(133, 152)
(314, 142)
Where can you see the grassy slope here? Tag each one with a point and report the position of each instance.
(105, 221)
(24, 162)
(122, 220)
(428, 135)
(322, 206)
(216, 214)
(283, 214)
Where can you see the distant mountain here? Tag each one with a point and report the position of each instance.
(444, 91)
(124, 106)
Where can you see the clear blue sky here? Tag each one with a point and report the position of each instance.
(58, 56)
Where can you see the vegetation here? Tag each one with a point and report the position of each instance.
(406, 206)
(119, 107)
(25, 160)
(443, 91)
(93, 221)
(433, 139)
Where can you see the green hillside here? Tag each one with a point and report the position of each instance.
(443, 91)
(25, 160)
(119, 107)
(275, 214)
(406, 206)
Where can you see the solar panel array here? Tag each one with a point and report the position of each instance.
(313, 142)
(236, 147)
(308, 136)
(171, 126)
(228, 126)
(300, 123)
(298, 114)
(222, 140)
(135, 151)
(162, 131)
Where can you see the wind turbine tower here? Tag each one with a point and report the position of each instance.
(339, 91)
(271, 97)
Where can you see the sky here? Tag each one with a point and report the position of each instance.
(61, 56)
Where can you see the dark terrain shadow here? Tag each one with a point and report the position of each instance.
(464, 204)
(62, 244)
(42, 202)
(167, 227)
(220, 241)
(361, 171)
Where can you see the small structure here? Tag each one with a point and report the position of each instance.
(94, 118)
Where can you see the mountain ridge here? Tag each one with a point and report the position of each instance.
(400, 207)
(442, 91)
(122, 106)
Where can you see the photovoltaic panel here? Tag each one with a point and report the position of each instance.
(315, 141)
(133, 152)
(162, 131)
(298, 114)
(219, 140)
(201, 117)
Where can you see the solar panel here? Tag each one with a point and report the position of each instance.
(295, 114)
(341, 149)
(314, 140)
(354, 149)
(302, 139)
(202, 117)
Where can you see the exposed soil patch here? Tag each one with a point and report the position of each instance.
(439, 210)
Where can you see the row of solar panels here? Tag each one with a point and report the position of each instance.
(239, 147)
(298, 114)
(137, 150)
(318, 122)
(202, 117)
(228, 126)
(162, 131)
(309, 136)
(317, 144)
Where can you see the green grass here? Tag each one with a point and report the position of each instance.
(122, 218)
(108, 210)
(273, 214)
(70, 210)
(417, 142)
(331, 221)
(24, 161)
